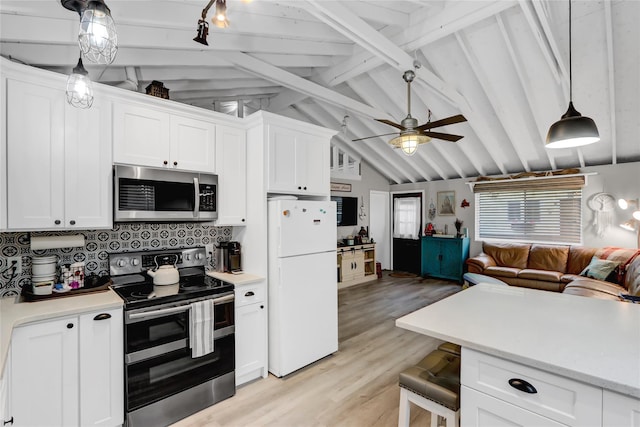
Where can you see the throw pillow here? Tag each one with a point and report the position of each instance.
(601, 269)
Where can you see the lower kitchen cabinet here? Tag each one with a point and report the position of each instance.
(620, 410)
(356, 264)
(444, 257)
(68, 371)
(251, 332)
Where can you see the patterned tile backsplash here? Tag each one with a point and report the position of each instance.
(125, 237)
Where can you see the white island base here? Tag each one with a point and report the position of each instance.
(538, 358)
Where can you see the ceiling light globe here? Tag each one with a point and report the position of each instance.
(409, 142)
(623, 204)
(97, 37)
(79, 88)
(636, 215)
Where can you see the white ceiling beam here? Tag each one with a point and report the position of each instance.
(225, 94)
(284, 78)
(505, 117)
(284, 99)
(289, 60)
(524, 82)
(455, 17)
(354, 28)
(204, 85)
(376, 12)
(608, 21)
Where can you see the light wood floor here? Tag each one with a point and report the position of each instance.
(358, 385)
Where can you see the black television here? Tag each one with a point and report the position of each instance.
(347, 210)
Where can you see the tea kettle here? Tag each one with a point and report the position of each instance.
(164, 274)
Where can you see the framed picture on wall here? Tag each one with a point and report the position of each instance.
(446, 202)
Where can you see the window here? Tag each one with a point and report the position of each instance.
(406, 217)
(542, 211)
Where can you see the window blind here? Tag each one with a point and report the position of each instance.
(538, 213)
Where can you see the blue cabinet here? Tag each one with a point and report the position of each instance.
(444, 257)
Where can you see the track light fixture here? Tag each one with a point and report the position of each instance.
(573, 129)
(219, 20)
(79, 87)
(97, 35)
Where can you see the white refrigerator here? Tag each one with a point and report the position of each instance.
(303, 290)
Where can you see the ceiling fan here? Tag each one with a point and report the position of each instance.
(411, 135)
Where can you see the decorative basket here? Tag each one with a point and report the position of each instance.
(157, 88)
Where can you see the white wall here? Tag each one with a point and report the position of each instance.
(621, 181)
(371, 180)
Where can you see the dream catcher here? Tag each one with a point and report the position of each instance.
(602, 205)
(432, 211)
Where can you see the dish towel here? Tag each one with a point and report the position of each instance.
(201, 328)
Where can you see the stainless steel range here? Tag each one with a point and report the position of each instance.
(164, 383)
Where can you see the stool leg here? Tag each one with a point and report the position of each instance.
(404, 409)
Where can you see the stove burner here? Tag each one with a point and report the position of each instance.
(140, 295)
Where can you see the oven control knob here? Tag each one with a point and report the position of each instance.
(187, 257)
(135, 261)
(198, 256)
(122, 263)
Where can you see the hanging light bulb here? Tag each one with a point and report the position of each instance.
(220, 18)
(573, 129)
(409, 142)
(97, 37)
(79, 87)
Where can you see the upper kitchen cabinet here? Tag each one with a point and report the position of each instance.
(58, 157)
(231, 167)
(151, 136)
(296, 154)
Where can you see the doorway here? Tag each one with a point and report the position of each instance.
(407, 229)
(380, 226)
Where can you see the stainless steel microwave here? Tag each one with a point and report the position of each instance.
(156, 194)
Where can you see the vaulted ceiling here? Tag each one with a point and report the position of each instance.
(503, 64)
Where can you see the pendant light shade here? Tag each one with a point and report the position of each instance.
(97, 37)
(79, 87)
(409, 142)
(573, 129)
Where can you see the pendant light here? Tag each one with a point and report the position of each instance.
(79, 87)
(573, 129)
(97, 36)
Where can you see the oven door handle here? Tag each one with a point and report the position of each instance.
(180, 309)
(196, 206)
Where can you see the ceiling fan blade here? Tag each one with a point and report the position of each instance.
(443, 122)
(390, 123)
(374, 136)
(444, 136)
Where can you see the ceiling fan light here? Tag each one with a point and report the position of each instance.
(572, 130)
(97, 37)
(409, 142)
(79, 88)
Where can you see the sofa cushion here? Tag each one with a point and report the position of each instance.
(579, 258)
(593, 285)
(624, 256)
(566, 278)
(502, 271)
(508, 254)
(632, 277)
(602, 269)
(591, 293)
(548, 257)
(545, 275)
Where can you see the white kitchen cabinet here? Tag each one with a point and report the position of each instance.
(58, 165)
(68, 371)
(147, 136)
(251, 332)
(298, 162)
(620, 410)
(5, 395)
(231, 167)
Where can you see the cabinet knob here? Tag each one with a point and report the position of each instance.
(262, 306)
(175, 163)
(299, 188)
(69, 325)
(305, 188)
(165, 162)
(242, 219)
(102, 316)
(72, 222)
(56, 222)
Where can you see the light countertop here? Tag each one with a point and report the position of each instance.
(588, 339)
(236, 279)
(14, 313)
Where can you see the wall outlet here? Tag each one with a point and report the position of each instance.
(18, 263)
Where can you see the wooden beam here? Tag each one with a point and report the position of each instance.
(608, 21)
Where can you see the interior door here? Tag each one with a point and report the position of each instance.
(380, 226)
(407, 226)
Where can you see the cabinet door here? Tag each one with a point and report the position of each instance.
(193, 144)
(88, 166)
(358, 264)
(101, 368)
(347, 271)
(620, 410)
(231, 167)
(44, 376)
(430, 257)
(312, 164)
(451, 259)
(282, 160)
(251, 342)
(140, 135)
(482, 410)
(35, 156)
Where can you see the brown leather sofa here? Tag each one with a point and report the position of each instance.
(556, 268)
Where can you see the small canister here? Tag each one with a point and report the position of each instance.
(44, 265)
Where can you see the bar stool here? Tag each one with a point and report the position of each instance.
(434, 385)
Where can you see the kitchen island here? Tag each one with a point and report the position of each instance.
(582, 354)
